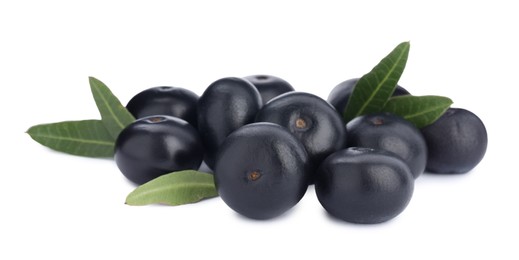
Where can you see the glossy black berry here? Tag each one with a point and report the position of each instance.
(391, 133)
(362, 185)
(456, 142)
(226, 105)
(269, 86)
(261, 171)
(169, 101)
(156, 145)
(311, 119)
(339, 95)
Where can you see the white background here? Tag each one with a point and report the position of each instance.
(57, 206)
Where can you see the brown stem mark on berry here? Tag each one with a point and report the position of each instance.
(156, 119)
(300, 123)
(254, 175)
(377, 121)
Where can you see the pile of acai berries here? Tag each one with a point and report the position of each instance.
(265, 143)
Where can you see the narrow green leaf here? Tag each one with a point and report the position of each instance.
(420, 110)
(374, 89)
(175, 188)
(85, 138)
(113, 114)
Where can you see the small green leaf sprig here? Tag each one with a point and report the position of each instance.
(89, 138)
(96, 138)
(373, 93)
(174, 189)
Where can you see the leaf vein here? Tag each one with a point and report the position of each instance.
(72, 139)
(381, 83)
(107, 106)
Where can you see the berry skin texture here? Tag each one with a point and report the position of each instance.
(168, 101)
(365, 186)
(156, 145)
(391, 133)
(226, 105)
(457, 142)
(269, 86)
(340, 94)
(261, 171)
(311, 119)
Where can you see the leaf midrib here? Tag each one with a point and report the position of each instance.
(176, 186)
(424, 111)
(395, 64)
(140, 199)
(72, 139)
(100, 94)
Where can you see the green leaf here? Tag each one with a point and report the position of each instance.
(419, 110)
(374, 89)
(113, 114)
(85, 138)
(175, 188)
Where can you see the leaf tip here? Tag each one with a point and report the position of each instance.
(128, 200)
(404, 46)
(94, 82)
(129, 203)
(30, 130)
